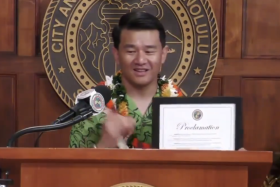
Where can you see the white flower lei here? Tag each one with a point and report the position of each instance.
(173, 91)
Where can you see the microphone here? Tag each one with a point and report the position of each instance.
(81, 100)
(88, 103)
(100, 94)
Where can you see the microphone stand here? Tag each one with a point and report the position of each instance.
(76, 110)
(84, 115)
(36, 144)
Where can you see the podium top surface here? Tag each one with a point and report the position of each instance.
(77, 155)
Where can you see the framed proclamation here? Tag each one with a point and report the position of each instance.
(199, 123)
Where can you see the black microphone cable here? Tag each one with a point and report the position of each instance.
(45, 128)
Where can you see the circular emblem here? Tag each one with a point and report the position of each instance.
(97, 102)
(197, 114)
(76, 42)
(132, 184)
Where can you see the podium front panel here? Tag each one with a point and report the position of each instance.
(155, 175)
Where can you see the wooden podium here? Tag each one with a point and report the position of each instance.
(42, 167)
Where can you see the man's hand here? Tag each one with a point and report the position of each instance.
(116, 127)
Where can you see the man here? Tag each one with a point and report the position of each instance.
(140, 51)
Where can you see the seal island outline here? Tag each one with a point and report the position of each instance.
(178, 77)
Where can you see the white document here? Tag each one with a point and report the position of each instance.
(197, 126)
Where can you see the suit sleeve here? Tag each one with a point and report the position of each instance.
(87, 133)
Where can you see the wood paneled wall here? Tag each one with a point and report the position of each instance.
(248, 66)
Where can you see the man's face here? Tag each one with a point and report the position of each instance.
(140, 56)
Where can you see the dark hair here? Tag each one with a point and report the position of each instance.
(138, 21)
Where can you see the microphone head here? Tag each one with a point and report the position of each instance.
(100, 98)
(105, 92)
